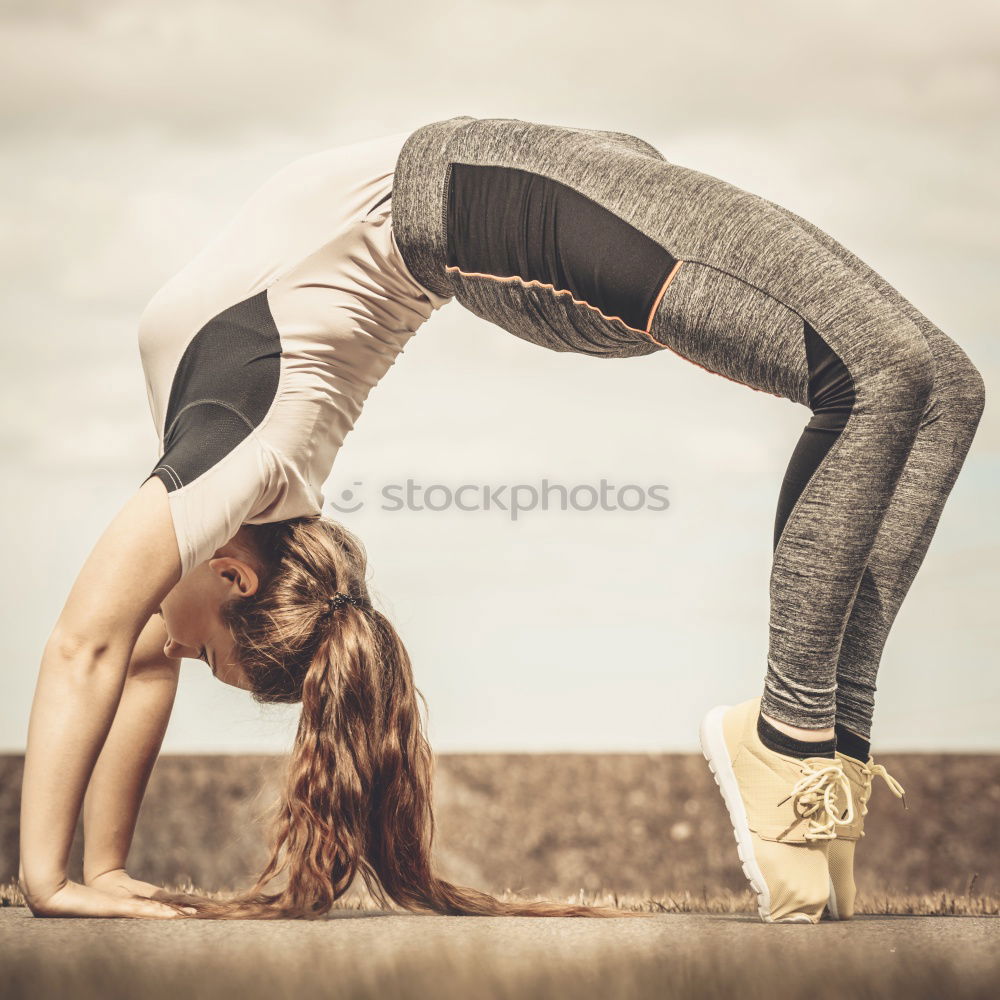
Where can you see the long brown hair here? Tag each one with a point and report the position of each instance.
(358, 791)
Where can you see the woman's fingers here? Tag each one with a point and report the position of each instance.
(174, 896)
(141, 907)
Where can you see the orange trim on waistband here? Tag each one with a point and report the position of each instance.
(649, 323)
(579, 302)
(652, 312)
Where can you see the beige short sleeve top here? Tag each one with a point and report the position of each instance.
(260, 352)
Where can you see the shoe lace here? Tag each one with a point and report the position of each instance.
(878, 771)
(815, 793)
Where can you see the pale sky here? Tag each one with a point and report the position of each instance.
(132, 131)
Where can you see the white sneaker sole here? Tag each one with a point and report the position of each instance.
(713, 746)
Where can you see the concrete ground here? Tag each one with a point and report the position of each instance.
(386, 955)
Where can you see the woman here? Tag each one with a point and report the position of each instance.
(259, 355)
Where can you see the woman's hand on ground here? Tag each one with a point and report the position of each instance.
(76, 900)
(118, 882)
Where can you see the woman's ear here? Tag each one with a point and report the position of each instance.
(235, 574)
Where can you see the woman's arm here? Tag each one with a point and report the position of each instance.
(133, 566)
(114, 795)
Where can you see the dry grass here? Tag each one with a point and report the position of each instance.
(942, 904)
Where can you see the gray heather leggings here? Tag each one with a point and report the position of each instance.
(593, 242)
(939, 418)
(895, 404)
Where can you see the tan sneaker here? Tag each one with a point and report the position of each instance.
(843, 891)
(782, 810)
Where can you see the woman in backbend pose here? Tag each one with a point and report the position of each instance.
(259, 355)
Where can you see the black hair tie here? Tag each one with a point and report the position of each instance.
(339, 600)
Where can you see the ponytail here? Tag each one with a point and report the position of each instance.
(358, 791)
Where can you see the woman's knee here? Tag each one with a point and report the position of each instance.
(961, 386)
(905, 369)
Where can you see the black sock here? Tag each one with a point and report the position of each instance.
(852, 744)
(774, 739)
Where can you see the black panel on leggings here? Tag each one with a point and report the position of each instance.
(507, 222)
(831, 398)
(223, 387)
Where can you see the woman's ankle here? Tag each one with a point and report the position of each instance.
(853, 743)
(798, 733)
(781, 742)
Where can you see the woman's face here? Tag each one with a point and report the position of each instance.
(191, 615)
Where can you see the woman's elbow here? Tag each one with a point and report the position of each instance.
(73, 646)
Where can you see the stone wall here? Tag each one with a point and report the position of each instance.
(556, 823)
